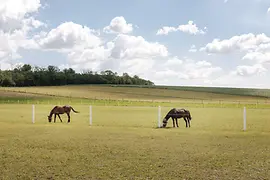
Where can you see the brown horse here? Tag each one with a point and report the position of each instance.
(61, 110)
(175, 114)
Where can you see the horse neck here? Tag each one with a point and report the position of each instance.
(52, 112)
(167, 117)
(187, 113)
(170, 114)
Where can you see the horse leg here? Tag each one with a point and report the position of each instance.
(173, 122)
(54, 118)
(185, 121)
(177, 122)
(68, 117)
(59, 117)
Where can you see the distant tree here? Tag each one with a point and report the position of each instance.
(1, 77)
(7, 79)
(26, 68)
(27, 75)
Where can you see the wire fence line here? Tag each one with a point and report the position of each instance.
(44, 96)
(186, 103)
(118, 116)
(138, 116)
(127, 116)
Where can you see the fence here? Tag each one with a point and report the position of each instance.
(159, 112)
(182, 103)
(208, 119)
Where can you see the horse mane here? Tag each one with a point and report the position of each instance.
(169, 113)
(53, 110)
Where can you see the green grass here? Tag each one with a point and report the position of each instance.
(124, 143)
(137, 93)
(221, 90)
(133, 96)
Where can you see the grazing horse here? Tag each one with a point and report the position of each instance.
(61, 110)
(175, 114)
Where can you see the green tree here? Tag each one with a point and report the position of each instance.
(27, 75)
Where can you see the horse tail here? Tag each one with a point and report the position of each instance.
(74, 110)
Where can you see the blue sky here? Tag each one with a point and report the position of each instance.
(152, 39)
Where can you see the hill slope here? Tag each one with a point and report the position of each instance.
(157, 93)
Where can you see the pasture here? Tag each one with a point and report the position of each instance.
(125, 143)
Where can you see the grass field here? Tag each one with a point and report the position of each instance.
(138, 93)
(136, 96)
(125, 143)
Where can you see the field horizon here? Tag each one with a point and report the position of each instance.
(137, 95)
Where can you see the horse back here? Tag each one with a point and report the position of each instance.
(59, 109)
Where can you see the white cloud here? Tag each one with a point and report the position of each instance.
(89, 58)
(189, 28)
(4, 65)
(135, 55)
(174, 63)
(247, 77)
(200, 69)
(129, 47)
(258, 57)
(164, 76)
(175, 71)
(124, 53)
(245, 70)
(268, 10)
(13, 13)
(118, 25)
(16, 23)
(70, 36)
(243, 42)
(98, 53)
(193, 48)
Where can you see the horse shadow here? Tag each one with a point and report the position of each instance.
(164, 128)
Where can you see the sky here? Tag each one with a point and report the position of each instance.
(224, 43)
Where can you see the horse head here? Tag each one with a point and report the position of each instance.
(50, 118)
(165, 121)
(188, 114)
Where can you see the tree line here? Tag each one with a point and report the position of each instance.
(27, 75)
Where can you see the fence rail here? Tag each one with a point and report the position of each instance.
(107, 102)
(147, 117)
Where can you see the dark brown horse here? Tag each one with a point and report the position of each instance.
(175, 114)
(61, 110)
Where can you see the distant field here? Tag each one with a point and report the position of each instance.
(135, 95)
(222, 90)
(124, 143)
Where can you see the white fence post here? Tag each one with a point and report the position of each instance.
(90, 115)
(33, 113)
(159, 116)
(244, 119)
